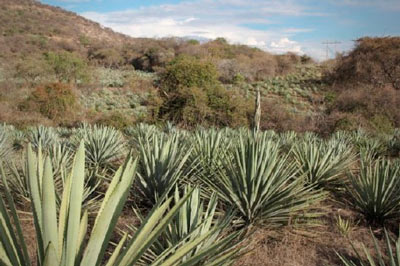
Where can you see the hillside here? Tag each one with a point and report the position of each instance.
(114, 77)
(27, 27)
(119, 80)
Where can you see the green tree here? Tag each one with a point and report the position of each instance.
(187, 72)
(68, 67)
(193, 95)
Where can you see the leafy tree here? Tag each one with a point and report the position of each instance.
(187, 72)
(193, 95)
(68, 67)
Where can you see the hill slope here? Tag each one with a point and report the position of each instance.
(42, 44)
(29, 26)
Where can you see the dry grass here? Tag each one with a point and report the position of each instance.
(285, 246)
(315, 246)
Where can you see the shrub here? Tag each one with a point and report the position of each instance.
(32, 69)
(55, 101)
(373, 61)
(215, 106)
(276, 116)
(374, 109)
(193, 95)
(68, 67)
(188, 72)
(116, 119)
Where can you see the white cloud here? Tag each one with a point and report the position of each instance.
(382, 4)
(211, 19)
(284, 44)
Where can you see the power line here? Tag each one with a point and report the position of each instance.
(327, 43)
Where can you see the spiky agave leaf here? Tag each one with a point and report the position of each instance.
(322, 163)
(373, 191)
(5, 145)
(260, 183)
(42, 136)
(163, 163)
(209, 149)
(196, 219)
(390, 258)
(104, 145)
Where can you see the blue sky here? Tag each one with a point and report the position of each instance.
(273, 25)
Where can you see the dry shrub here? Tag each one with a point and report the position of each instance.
(275, 116)
(10, 100)
(374, 61)
(116, 119)
(213, 106)
(368, 107)
(56, 101)
(287, 62)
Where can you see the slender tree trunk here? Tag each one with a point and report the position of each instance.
(257, 112)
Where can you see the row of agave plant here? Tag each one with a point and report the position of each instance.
(197, 194)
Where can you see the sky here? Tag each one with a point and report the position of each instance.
(278, 26)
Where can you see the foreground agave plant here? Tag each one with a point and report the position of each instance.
(260, 183)
(321, 164)
(374, 191)
(62, 234)
(198, 220)
(5, 147)
(162, 164)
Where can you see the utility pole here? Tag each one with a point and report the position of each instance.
(327, 43)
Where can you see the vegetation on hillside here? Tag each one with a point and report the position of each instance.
(364, 89)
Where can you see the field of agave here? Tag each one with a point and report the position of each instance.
(196, 195)
(297, 90)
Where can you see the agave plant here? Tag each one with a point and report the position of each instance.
(141, 131)
(394, 143)
(287, 139)
(209, 149)
(17, 182)
(322, 163)
(374, 190)
(5, 147)
(104, 145)
(390, 258)
(18, 139)
(163, 163)
(42, 136)
(61, 156)
(63, 240)
(260, 183)
(64, 132)
(195, 220)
